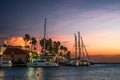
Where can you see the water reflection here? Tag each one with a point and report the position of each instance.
(62, 73)
(99, 72)
(2, 74)
(30, 73)
(39, 74)
(34, 74)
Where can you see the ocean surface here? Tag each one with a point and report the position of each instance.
(93, 72)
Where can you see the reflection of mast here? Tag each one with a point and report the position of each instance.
(44, 37)
(75, 46)
(79, 47)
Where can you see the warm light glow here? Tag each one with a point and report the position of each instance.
(15, 41)
(104, 43)
(2, 73)
(97, 43)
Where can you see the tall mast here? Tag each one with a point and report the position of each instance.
(75, 46)
(86, 52)
(79, 48)
(45, 29)
(44, 37)
(82, 48)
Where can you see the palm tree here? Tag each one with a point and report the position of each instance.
(58, 43)
(26, 38)
(68, 55)
(44, 45)
(50, 47)
(55, 47)
(61, 48)
(65, 49)
(34, 41)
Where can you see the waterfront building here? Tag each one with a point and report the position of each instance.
(18, 55)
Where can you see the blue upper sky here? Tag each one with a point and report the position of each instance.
(18, 17)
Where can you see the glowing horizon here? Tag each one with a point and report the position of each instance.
(92, 46)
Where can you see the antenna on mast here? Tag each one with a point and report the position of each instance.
(79, 47)
(45, 29)
(44, 37)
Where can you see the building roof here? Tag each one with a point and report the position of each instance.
(10, 51)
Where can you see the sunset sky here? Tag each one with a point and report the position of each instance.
(97, 20)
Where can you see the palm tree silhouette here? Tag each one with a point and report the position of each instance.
(33, 42)
(26, 38)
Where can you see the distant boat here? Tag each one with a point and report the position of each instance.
(5, 62)
(80, 59)
(41, 62)
(82, 53)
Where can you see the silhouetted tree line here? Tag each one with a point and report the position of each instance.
(51, 47)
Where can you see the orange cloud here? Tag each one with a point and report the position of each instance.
(15, 41)
(19, 41)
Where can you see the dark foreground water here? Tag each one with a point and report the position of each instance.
(93, 72)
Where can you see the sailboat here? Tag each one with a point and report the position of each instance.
(81, 54)
(82, 51)
(42, 62)
(83, 58)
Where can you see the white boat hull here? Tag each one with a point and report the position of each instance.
(6, 64)
(41, 64)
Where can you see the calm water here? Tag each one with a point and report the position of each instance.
(94, 72)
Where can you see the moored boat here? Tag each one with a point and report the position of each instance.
(6, 64)
(82, 62)
(41, 63)
(5, 61)
(82, 57)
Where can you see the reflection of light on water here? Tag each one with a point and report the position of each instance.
(30, 71)
(38, 74)
(1, 74)
(34, 73)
